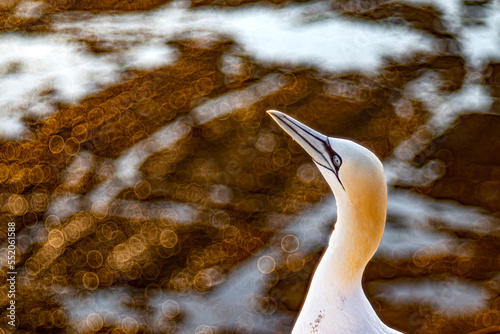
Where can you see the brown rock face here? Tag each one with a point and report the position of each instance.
(470, 152)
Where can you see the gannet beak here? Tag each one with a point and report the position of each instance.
(315, 143)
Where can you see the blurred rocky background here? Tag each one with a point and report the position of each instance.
(152, 194)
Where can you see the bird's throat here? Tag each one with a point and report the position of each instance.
(354, 241)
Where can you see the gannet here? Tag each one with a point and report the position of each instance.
(335, 301)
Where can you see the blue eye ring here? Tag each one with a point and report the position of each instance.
(336, 160)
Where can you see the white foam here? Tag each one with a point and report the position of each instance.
(273, 34)
(450, 297)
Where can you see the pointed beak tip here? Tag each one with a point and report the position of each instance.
(273, 112)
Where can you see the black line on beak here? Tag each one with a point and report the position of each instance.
(326, 147)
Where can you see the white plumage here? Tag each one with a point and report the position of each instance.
(335, 302)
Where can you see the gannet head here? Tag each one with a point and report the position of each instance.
(353, 172)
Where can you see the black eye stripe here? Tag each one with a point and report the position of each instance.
(334, 154)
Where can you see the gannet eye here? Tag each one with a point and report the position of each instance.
(336, 160)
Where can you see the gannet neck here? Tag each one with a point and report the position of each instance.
(361, 215)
